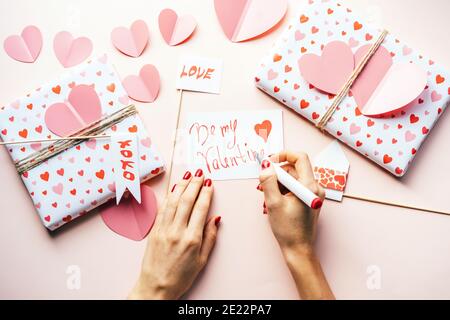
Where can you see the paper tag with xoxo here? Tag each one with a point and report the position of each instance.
(126, 165)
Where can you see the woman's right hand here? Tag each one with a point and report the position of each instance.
(294, 224)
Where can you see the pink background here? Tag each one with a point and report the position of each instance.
(410, 249)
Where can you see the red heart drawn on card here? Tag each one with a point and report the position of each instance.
(81, 109)
(131, 219)
(246, 19)
(263, 129)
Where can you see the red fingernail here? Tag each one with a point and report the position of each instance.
(207, 183)
(199, 173)
(187, 175)
(264, 206)
(259, 188)
(173, 188)
(265, 164)
(217, 220)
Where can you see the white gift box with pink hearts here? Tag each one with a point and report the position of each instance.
(391, 139)
(81, 178)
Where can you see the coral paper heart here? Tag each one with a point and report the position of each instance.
(133, 41)
(330, 71)
(145, 86)
(81, 109)
(384, 87)
(131, 219)
(175, 29)
(246, 19)
(25, 47)
(263, 129)
(70, 51)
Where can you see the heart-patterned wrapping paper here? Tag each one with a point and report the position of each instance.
(79, 179)
(392, 140)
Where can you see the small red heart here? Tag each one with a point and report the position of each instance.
(100, 174)
(387, 159)
(304, 104)
(111, 87)
(60, 171)
(57, 89)
(45, 176)
(315, 115)
(413, 118)
(425, 130)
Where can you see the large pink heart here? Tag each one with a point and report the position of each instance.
(131, 219)
(133, 41)
(384, 87)
(330, 71)
(175, 29)
(145, 86)
(81, 109)
(70, 51)
(25, 47)
(245, 19)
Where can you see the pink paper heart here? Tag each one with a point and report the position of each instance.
(70, 51)
(330, 71)
(131, 219)
(175, 29)
(384, 87)
(133, 41)
(246, 19)
(25, 47)
(81, 109)
(145, 87)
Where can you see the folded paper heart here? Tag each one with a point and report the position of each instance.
(131, 219)
(81, 109)
(69, 51)
(25, 47)
(246, 19)
(145, 86)
(133, 41)
(382, 86)
(175, 29)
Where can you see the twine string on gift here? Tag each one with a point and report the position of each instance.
(95, 130)
(346, 88)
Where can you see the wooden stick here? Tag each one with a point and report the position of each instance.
(55, 139)
(180, 99)
(394, 204)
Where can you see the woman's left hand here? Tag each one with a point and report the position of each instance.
(180, 242)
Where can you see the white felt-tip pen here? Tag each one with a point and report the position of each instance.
(295, 186)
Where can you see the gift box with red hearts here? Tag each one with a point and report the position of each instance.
(79, 179)
(392, 106)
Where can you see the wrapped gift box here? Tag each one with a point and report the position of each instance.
(391, 140)
(81, 178)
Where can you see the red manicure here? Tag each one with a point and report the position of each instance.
(259, 187)
(187, 175)
(217, 220)
(199, 173)
(265, 164)
(207, 183)
(173, 188)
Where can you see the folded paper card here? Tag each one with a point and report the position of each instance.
(225, 144)
(73, 182)
(392, 105)
(331, 171)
